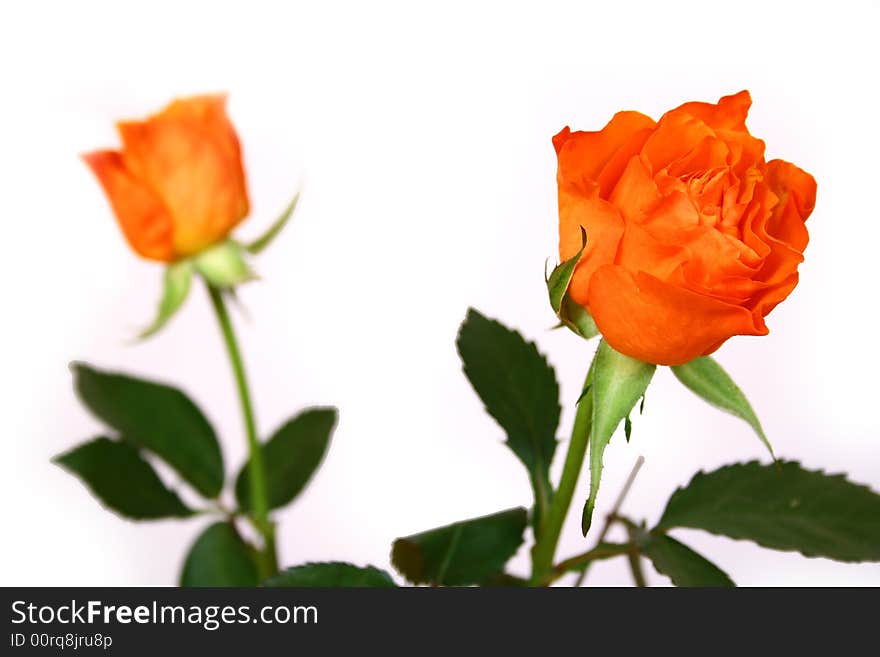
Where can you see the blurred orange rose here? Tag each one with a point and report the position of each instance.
(691, 236)
(177, 186)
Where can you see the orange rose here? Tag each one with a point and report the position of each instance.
(691, 236)
(178, 184)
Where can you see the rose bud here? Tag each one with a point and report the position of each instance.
(691, 236)
(177, 186)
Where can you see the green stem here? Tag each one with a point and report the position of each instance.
(635, 566)
(584, 560)
(256, 467)
(545, 545)
(543, 493)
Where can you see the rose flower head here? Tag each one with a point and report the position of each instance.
(692, 237)
(177, 185)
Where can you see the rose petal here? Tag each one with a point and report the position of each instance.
(710, 153)
(583, 155)
(190, 156)
(766, 300)
(644, 318)
(796, 190)
(675, 137)
(729, 113)
(641, 251)
(779, 259)
(614, 168)
(143, 218)
(604, 227)
(635, 192)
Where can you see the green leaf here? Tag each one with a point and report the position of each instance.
(705, 377)
(277, 226)
(617, 383)
(224, 265)
(783, 507)
(334, 574)
(518, 388)
(560, 278)
(463, 553)
(503, 580)
(156, 417)
(177, 280)
(291, 457)
(124, 482)
(219, 557)
(681, 564)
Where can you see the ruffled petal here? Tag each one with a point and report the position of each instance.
(766, 300)
(779, 259)
(610, 174)
(635, 192)
(709, 154)
(675, 137)
(729, 113)
(796, 190)
(673, 219)
(583, 155)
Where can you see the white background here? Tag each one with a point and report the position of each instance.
(422, 138)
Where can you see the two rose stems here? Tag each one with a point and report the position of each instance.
(553, 517)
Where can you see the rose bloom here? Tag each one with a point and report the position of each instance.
(177, 185)
(691, 236)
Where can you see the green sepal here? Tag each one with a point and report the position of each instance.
(618, 381)
(560, 277)
(708, 380)
(224, 265)
(176, 284)
(571, 314)
(576, 318)
(259, 244)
